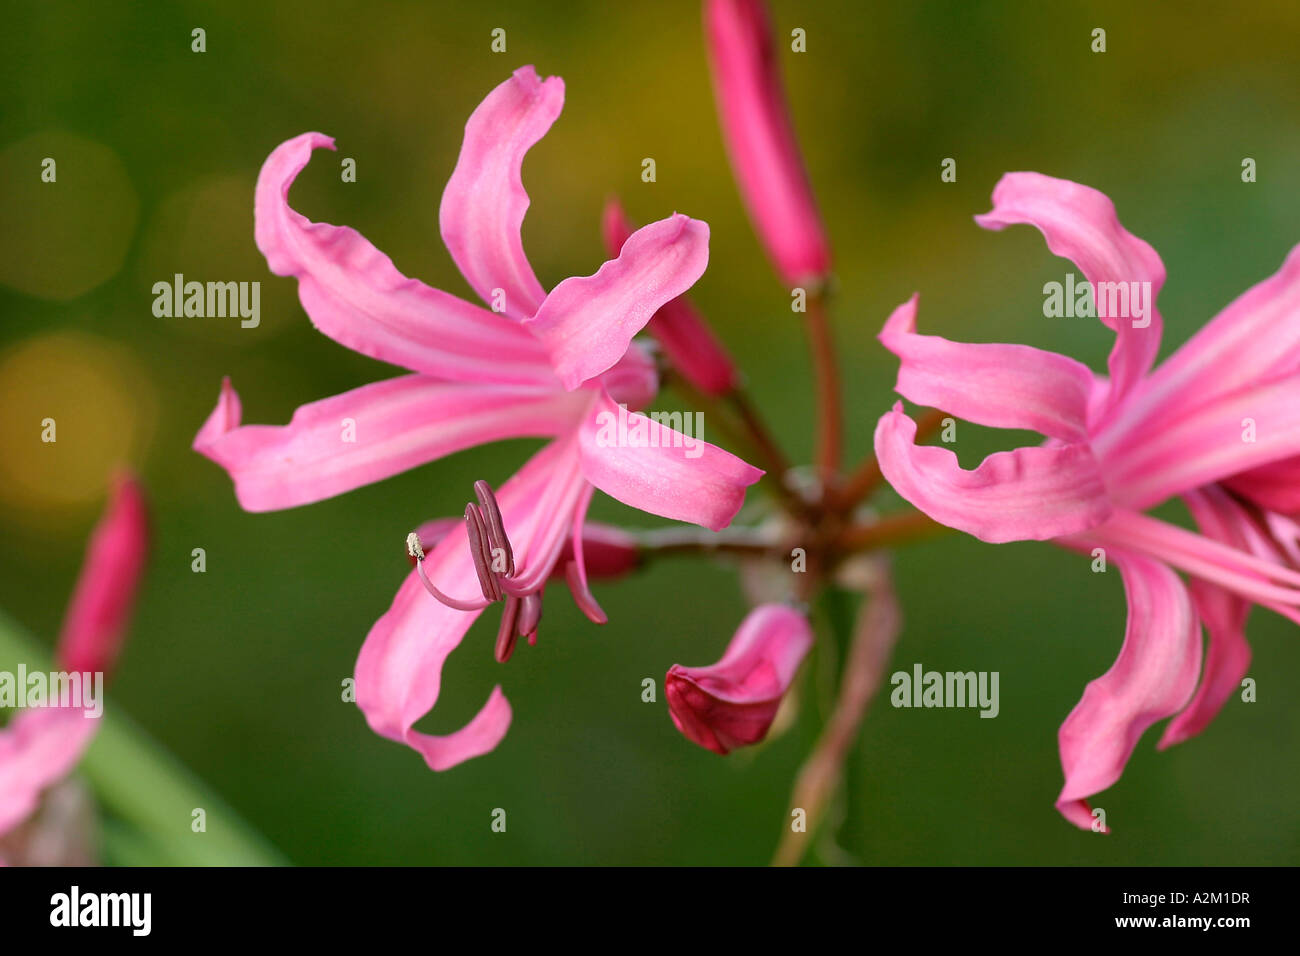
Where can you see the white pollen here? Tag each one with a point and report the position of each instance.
(413, 546)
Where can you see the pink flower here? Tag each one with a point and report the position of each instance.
(41, 745)
(684, 334)
(553, 365)
(732, 703)
(1217, 423)
(760, 139)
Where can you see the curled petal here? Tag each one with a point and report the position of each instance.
(1079, 223)
(399, 670)
(484, 203)
(354, 294)
(1003, 386)
(760, 139)
(38, 748)
(94, 625)
(684, 334)
(657, 469)
(732, 703)
(1026, 494)
(1152, 678)
(1224, 614)
(575, 571)
(371, 433)
(587, 322)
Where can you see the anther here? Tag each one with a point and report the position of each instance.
(496, 529)
(480, 551)
(413, 546)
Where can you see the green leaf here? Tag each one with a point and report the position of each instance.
(146, 794)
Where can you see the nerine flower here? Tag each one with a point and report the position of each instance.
(732, 703)
(40, 746)
(1217, 423)
(555, 365)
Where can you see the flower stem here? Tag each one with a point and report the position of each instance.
(891, 530)
(822, 775)
(762, 439)
(830, 420)
(742, 541)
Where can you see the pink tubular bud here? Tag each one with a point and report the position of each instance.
(95, 623)
(760, 139)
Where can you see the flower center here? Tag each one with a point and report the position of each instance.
(494, 564)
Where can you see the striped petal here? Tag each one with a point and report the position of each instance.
(371, 433)
(483, 206)
(1079, 224)
(354, 294)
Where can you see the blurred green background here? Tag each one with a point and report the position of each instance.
(238, 670)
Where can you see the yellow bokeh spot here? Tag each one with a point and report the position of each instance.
(94, 399)
(64, 237)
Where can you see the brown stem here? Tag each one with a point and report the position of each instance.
(878, 624)
(742, 541)
(774, 458)
(890, 530)
(830, 423)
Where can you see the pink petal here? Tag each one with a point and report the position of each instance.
(354, 294)
(1079, 224)
(484, 203)
(587, 322)
(657, 469)
(399, 670)
(608, 551)
(95, 623)
(732, 703)
(634, 379)
(684, 334)
(1264, 580)
(1208, 444)
(576, 568)
(1255, 340)
(1003, 386)
(557, 508)
(1026, 494)
(1274, 487)
(397, 424)
(761, 141)
(1224, 614)
(38, 748)
(1152, 678)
